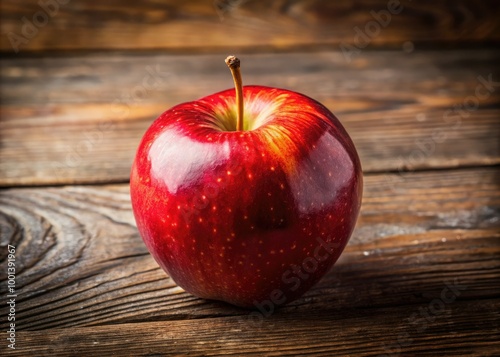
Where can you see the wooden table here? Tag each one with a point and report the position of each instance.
(421, 101)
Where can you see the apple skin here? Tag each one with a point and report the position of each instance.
(247, 216)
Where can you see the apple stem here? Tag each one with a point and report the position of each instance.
(234, 65)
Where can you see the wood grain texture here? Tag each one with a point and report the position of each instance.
(82, 263)
(204, 25)
(420, 274)
(455, 330)
(80, 119)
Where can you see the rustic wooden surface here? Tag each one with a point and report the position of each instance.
(63, 118)
(77, 97)
(283, 24)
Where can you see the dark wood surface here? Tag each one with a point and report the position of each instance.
(206, 25)
(63, 118)
(421, 273)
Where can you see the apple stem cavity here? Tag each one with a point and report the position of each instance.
(234, 65)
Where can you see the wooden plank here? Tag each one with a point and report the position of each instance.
(460, 328)
(80, 119)
(203, 25)
(81, 262)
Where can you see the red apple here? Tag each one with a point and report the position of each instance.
(247, 196)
